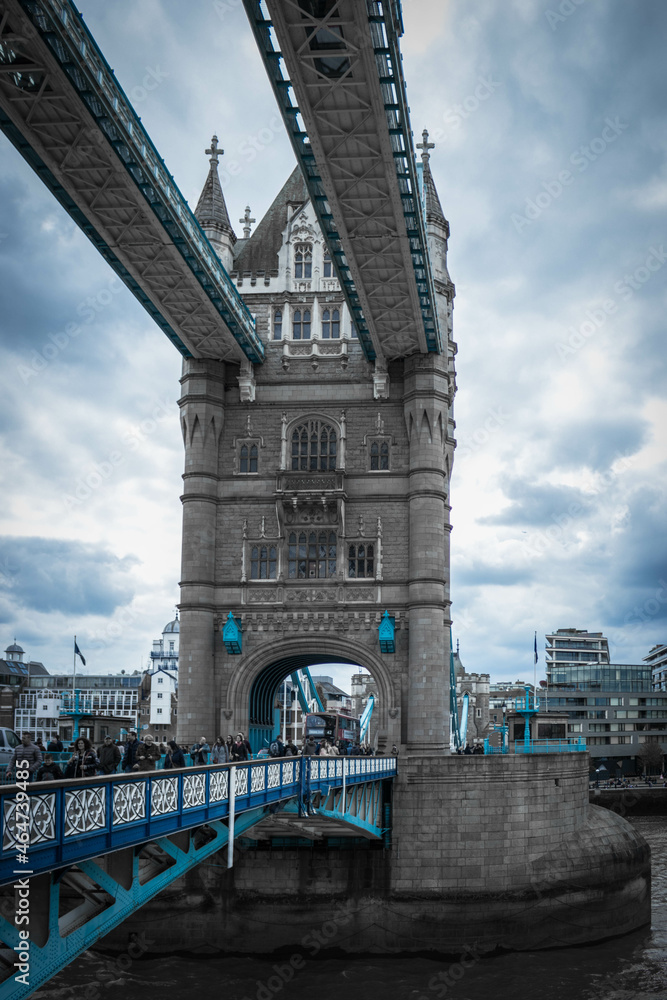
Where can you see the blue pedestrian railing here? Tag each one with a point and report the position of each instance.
(551, 746)
(57, 823)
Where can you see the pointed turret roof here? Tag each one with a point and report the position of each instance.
(259, 253)
(211, 210)
(434, 212)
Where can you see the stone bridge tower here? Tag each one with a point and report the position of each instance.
(316, 490)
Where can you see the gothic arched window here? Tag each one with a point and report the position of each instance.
(303, 261)
(312, 554)
(330, 324)
(263, 562)
(313, 447)
(327, 270)
(278, 324)
(301, 325)
(248, 458)
(379, 456)
(361, 560)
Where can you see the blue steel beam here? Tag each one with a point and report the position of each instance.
(63, 109)
(336, 73)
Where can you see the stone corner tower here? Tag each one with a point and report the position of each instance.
(316, 489)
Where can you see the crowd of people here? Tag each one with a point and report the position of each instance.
(112, 756)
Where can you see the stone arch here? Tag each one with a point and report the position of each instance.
(267, 667)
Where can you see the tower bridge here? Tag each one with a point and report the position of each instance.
(317, 417)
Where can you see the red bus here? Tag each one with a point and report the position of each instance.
(332, 726)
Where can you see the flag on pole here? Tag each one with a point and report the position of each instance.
(536, 647)
(77, 652)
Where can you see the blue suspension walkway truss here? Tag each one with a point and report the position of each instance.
(92, 851)
(337, 75)
(63, 109)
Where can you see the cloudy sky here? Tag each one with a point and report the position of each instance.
(551, 134)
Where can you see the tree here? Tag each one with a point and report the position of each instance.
(651, 757)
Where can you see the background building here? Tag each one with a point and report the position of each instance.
(657, 661)
(612, 705)
(477, 687)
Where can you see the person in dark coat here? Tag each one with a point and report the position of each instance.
(239, 751)
(83, 763)
(175, 756)
(55, 746)
(49, 770)
(28, 751)
(148, 753)
(131, 747)
(109, 756)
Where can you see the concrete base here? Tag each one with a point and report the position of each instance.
(487, 853)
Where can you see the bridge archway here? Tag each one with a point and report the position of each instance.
(253, 689)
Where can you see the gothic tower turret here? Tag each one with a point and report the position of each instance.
(211, 211)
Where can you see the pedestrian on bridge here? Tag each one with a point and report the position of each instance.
(310, 748)
(239, 750)
(246, 744)
(229, 743)
(148, 753)
(83, 763)
(130, 755)
(55, 746)
(109, 756)
(26, 750)
(199, 752)
(219, 753)
(175, 756)
(49, 770)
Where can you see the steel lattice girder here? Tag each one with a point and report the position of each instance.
(61, 106)
(350, 129)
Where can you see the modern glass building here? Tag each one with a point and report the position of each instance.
(612, 705)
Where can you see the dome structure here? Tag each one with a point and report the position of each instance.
(172, 627)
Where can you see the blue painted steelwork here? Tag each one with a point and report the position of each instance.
(463, 725)
(232, 635)
(306, 690)
(365, 720)
(387, 633)
(93, 832)
(453, 703)
(552, 746)
(529, 707)
(71, 821)
(59, 26)
(384, 27)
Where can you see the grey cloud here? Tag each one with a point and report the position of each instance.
(50, 575)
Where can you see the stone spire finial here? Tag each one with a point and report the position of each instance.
(425, 145)
(214, 152)
(247, 222)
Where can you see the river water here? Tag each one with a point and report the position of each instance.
(628, 968)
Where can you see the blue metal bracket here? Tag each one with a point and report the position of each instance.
(386, 633)
(232, 635)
